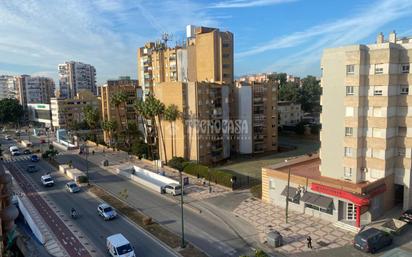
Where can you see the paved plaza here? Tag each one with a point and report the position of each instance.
(266, 217)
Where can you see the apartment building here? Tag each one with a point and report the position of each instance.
(202, 132)
(210, 55)
(34, 89)
(7, 87)
(125, 112)
(66, 112)
(289, 114)
(159, 63)
(75, 76)
(255, 103)
(364, 166)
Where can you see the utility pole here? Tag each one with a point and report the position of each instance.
(182, 245)
(86, 151)
(287, 196)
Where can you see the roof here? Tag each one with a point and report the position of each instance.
(71, 182)
(369, 232)
(292, 191)
(117, 240)
(46, 176)
(317, 200)
(104, 205)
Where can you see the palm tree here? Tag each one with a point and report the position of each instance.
(117, 100)
(155, 110)
(109, 126)
(171, 114)
(141, 110)
(91, 116)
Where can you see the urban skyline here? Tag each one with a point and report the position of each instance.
(106, 34)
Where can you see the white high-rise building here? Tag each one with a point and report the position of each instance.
(8, 87)
(75, 76)
(34, 89)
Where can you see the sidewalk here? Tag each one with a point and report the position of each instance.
(267, 217)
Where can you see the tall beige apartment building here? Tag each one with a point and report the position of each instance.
(366, 98)
(255, 103)
(126, 111)
(34, 89)
(210, 55)
(365, 160)
(202, 132)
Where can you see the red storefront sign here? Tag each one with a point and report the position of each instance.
(339, 193)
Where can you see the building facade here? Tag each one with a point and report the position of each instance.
(125, 112)
(75, 76)
(365, 157)
(40, 113)
(8, 87)
(210, 55)
(202, 132)
(66, 112)
(255, 104)
(289, 114)
(34, 89)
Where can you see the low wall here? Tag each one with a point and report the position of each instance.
(32, 224)
(70, 172)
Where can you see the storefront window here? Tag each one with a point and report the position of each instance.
(317, 208)
(328, 210)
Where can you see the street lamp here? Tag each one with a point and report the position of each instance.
(182, 245)
(287, 196)
(86, 152)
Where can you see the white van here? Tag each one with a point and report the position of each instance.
(119, 246)
(173, 189)
(14, 150)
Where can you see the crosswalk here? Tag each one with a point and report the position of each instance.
(8, 159)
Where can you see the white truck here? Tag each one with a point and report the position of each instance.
(47, 180)
(119, 246)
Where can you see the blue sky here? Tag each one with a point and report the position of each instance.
(270, 35)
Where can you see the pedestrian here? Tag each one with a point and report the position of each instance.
(93, 152)
(309, 241)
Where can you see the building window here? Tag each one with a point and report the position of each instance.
(374, 173)
(405, 68)
(347, 172)
(350, 69)
(404, 90)
(225, 55)
(401, 151)
(349, 90)
(377, 91)
(225, 45)
(348, 131)
(402, 131)
(378, 68)
(348, 151)
(271, 184)
(349, 111)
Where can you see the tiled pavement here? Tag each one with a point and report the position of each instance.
(267, 217)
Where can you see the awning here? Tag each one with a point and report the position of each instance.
(317, 200)
(292, 191)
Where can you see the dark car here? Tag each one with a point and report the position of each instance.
(407, 216)
(34, 158)
(26, 151)
(372, 240)
(31, 168)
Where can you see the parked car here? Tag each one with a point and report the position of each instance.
(7, 137)
(72, 187)
(32, 168)
(106, 211)
(26, 151)
(34, 158)
(117, 245)
(372, 240)
(407, 216)
(173, 189)
(47, 180)
(14, 150)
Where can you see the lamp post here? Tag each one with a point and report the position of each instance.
(287, 196)
(86, 152)
(182, 245)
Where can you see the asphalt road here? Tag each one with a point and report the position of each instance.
(91, 225)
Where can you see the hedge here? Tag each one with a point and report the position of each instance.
(218, 176)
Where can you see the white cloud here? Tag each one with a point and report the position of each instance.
(310, 43)
(248, 3)
(104, 33)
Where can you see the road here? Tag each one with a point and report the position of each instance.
(90, 224)
(204, 230)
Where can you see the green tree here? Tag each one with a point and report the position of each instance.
(155, 110)
(117, 100)
(109, 126)
(141, 111)
(289, 92)
(309, 94)
(171, 114)
(281, 78)
(92, 117)
(11, 111)
(140, 148)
